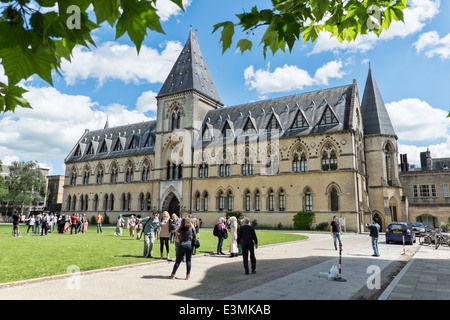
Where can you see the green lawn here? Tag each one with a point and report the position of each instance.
(32, 256)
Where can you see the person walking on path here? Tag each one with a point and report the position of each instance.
(248, 240)
(16, 221)
(185, 234)
(234, 249)
(336, 231)
(374, 229)
(99, 223)
(150, 226)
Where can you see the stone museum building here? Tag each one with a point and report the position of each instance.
(322, 151)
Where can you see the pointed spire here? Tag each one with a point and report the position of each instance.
(106, 123)
(190, 72)
(374, 114)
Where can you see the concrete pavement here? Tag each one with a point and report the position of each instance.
(294, 271)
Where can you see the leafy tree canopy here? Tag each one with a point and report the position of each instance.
(35, 35)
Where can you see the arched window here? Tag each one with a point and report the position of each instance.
(282, 200)
(95, 204)
(308, 200)
(271, 200)
(111, 207)
(205, 202)
(248, 201)
(257, 200)
(176, 119)
(388, 163)
(303, 163)
(100, 175)
(230, 199)
(73, 178)
(296, 164)
(105, 202)
(86, 177)
(221, 201)
(114, 174)
(329, 158)
(197, 201)
(69, 199)
(334, 200)
(148, 198)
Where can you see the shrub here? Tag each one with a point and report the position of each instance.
(303, 220)
(239, 216)
(323, 226)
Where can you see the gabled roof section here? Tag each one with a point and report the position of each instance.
(374, 114)
(121, 141)
(190, 72)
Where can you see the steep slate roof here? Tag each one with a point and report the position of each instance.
(310, 105)
(121, 134)
(190, 73)
(374, 114)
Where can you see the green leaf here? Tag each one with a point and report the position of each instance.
(106, 10)
(137, 16)
(11, 97)
(226, 35)
(244, 45)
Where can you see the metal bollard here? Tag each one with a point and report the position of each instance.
(339, 277)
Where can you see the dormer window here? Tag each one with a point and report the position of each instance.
(328, 117)
(273, 124)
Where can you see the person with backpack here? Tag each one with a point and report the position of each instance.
(149, 230)
(220, 231)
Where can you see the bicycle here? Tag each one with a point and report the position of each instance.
(442, 238)
(429, 238)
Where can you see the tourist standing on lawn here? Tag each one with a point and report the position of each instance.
(164, 234)
(99, 223)
(248, 240)
(16, 221)
(73, 223)
(150, 226)
(185, 234)
(37, 223)
(119, 226)
(336, 231)
(31, 222)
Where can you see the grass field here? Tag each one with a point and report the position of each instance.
(33, 256)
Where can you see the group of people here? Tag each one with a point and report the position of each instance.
(40, 223)
(374, 232)
(243, 239)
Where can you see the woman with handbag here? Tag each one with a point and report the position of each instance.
(185, 234)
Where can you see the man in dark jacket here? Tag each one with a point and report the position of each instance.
(248, 240)
(374, 233)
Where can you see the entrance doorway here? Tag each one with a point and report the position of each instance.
(174, 206)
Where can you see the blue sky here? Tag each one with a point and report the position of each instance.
(411, 64)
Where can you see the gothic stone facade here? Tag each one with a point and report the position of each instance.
(267, 159)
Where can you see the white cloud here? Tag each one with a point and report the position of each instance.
(146, 102)
(433, 44)
(440, 150)
(289, 78)
(56, 122)
(167, 8)
(416, 120)
(118, 61)
(415, 19)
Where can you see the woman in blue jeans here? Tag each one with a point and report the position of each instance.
(185, 233)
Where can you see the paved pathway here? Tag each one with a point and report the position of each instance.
(296, 270)
(425, 277)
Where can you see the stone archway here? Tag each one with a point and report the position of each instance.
(171, 204)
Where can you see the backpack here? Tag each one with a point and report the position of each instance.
(216, 230)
